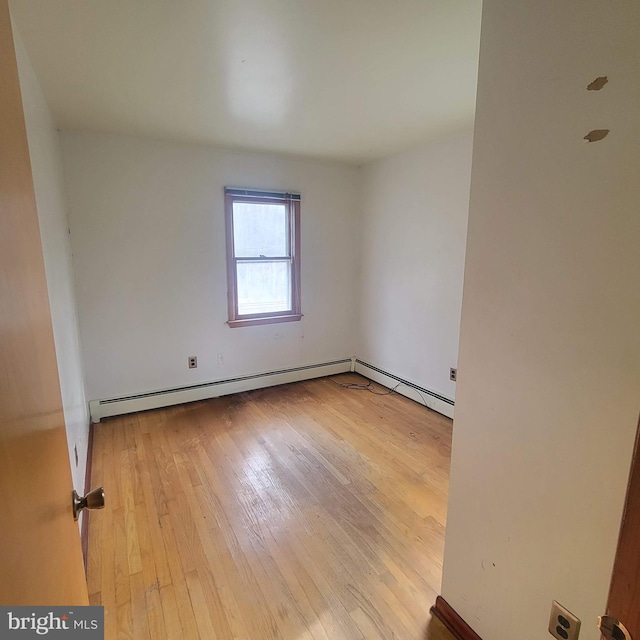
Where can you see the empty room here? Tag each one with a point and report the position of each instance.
(320, 319)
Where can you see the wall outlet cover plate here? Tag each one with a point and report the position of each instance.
(563, 625)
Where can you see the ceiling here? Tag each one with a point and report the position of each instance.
(352, 80)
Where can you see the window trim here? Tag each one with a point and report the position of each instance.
(292, 201)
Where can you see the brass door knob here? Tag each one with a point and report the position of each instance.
(93, 500)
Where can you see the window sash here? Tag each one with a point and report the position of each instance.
(269, 314)
(287, 232)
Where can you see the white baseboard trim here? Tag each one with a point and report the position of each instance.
(411, 390)
(165, 398)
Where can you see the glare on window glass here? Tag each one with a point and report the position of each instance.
(259, 230)
(263, 287)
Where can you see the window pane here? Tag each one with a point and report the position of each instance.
(264, 287)
(259, 230)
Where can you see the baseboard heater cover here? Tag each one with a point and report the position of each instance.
(167, 397)
(411, 390)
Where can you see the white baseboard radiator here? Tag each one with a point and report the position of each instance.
(167, 397)
(411, 390)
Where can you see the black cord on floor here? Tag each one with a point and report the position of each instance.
(368, 386)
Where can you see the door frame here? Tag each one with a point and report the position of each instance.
(624, 592)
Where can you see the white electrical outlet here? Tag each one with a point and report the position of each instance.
(562, 623)
(221, 358)
(193, 362)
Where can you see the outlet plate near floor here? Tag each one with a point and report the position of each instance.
(563, 625)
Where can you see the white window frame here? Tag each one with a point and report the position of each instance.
(291, 201)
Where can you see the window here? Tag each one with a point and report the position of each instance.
(263, 257)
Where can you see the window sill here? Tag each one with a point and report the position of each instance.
(249, 322)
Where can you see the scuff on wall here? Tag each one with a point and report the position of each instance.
(598, 83)
(596, 135)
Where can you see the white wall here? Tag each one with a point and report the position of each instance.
(46, 165)
(147, 221)
(549, 377)
(413, 230)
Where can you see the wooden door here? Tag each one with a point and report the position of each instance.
(40, 554)
(624, 595)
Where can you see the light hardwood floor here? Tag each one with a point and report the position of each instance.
(306, 511)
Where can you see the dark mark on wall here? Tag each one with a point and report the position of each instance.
(596, 134)
(598, 83)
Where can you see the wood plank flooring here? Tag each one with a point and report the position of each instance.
(305, 511)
